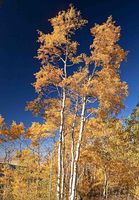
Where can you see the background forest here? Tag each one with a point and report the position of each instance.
(80, 148)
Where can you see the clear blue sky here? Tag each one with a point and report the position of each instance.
(19, 20)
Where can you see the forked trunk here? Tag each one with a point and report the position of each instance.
(72, 149)
(77, 152)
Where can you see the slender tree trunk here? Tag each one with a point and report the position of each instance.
(72, 149)
(59, 170)
(61, 148)
(62, 167)
(72, 163)
(60, 179)
(62, 134)
(77, 152)
(105, 188)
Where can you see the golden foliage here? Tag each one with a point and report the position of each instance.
(10, 133)
(39, 131)
(105, 50)
(54, 44)
(105, 149)
(109, 91)
(46, 76)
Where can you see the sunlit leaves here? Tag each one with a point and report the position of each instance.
(46, 76)
(12, 132)
(109, 90)
(93, 83)
(55, 44)
(34, 106)
(39, 131)
(105, 51)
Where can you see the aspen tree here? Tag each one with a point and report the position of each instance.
(95, 80)
(106, 55)
(56, 53)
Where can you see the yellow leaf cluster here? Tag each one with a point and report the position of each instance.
(55, 44)
(10, 133)
(34, 106)
(109, 91)
(46, 76)
(16, 130)
(78, 81)
(105, 51)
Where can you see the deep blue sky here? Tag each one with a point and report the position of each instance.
(19, 20)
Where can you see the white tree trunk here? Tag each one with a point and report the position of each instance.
(72, 148)
(77, 152)
(62, 166)
(72, 164)
(60, 180)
